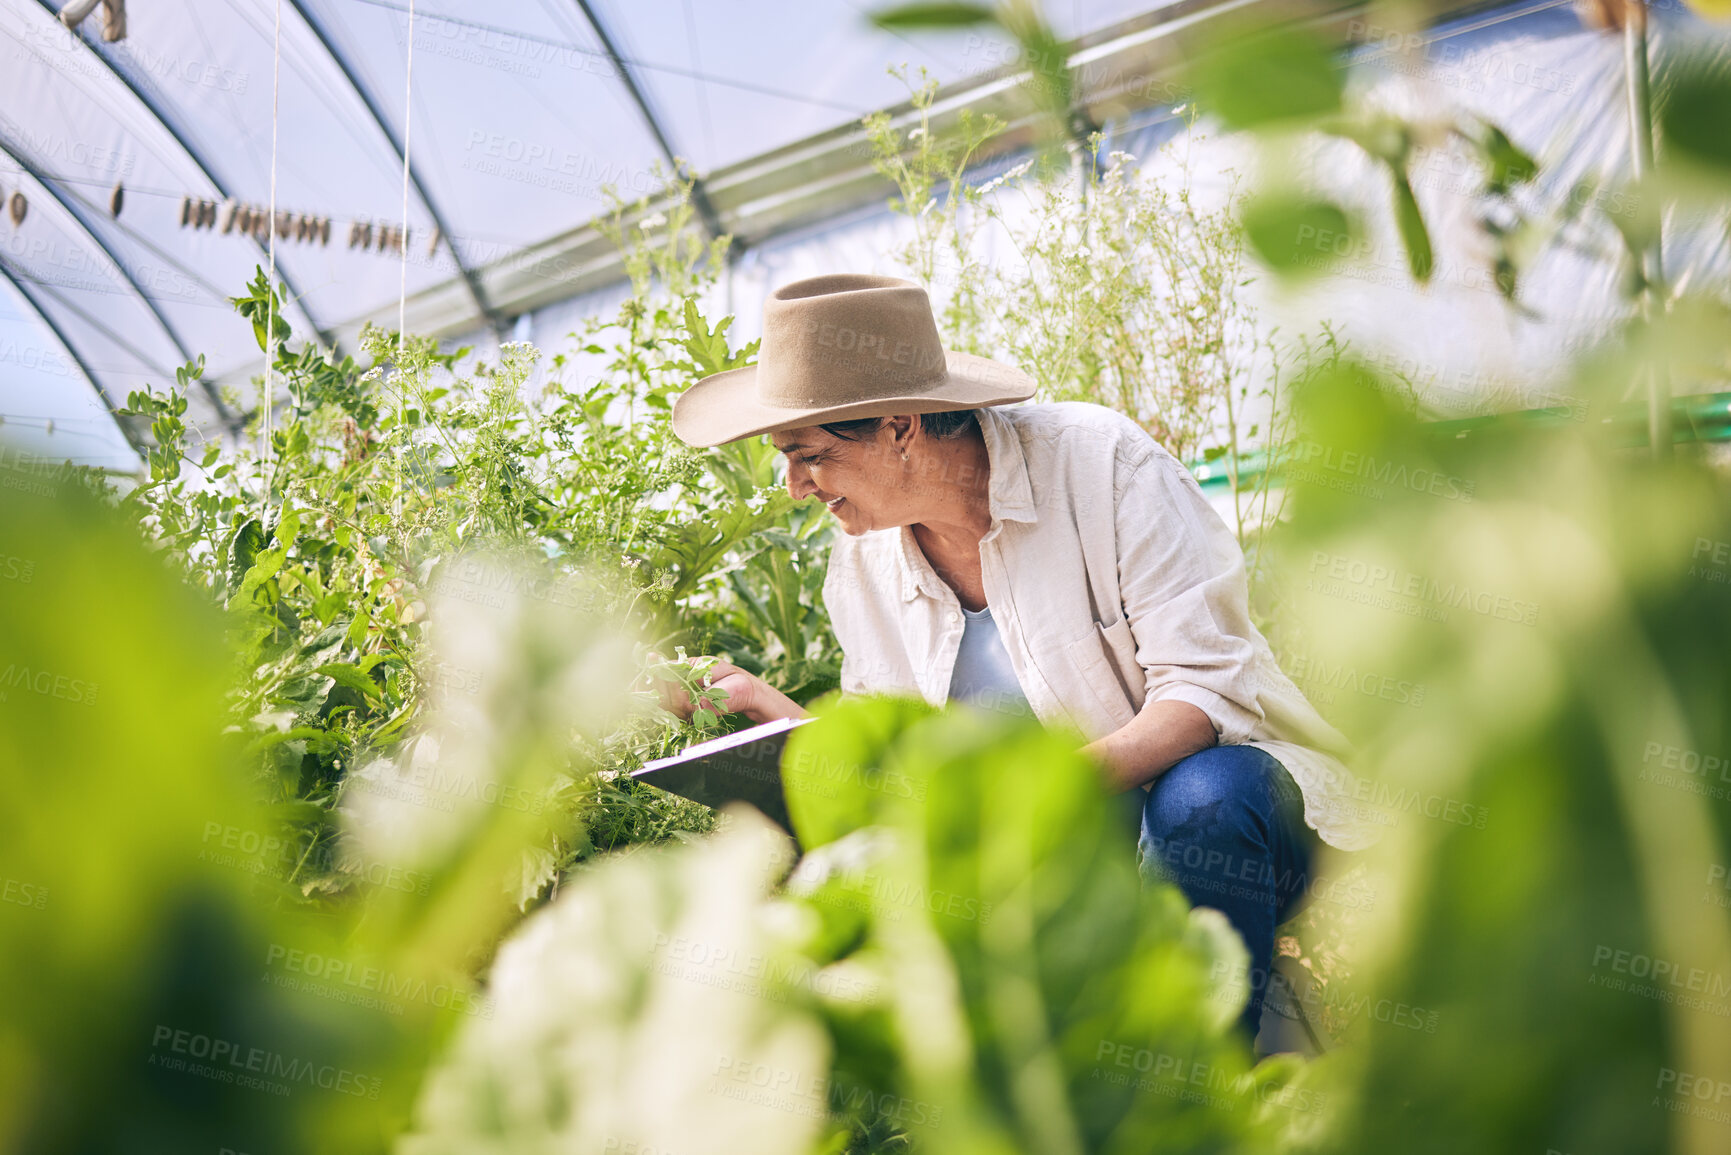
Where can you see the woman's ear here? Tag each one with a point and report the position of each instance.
(902, 432)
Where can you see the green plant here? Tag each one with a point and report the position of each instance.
(138, 858)
(964, 959)
(382, 484)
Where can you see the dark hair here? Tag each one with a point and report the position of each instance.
(949, 423)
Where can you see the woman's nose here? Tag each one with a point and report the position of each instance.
(799, 483)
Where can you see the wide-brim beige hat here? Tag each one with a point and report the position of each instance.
(839, 348)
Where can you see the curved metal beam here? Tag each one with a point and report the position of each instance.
(470, 278)
(17, 157)
(197, 158)
(72, 354)
(137, 354)
(699, 198)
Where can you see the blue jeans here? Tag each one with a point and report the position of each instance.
(1227, 826)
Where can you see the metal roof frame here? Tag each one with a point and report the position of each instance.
(139, 355)
(16, 155)
(1120, 70)
(71, 351)
(493, 317)
(699, 198)
(186, 146)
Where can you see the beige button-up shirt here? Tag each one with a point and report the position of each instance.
(1113, 584)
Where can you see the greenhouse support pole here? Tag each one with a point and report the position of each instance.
(1651, 255)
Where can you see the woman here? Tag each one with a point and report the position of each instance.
(1047, 558)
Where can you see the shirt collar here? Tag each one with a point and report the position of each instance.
(1009, 495)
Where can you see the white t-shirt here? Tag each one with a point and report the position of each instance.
(983, 675)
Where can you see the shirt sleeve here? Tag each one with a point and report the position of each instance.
(1181, 574)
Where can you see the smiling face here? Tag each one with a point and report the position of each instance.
(861, 482)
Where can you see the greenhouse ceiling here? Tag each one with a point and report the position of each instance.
(138, 174)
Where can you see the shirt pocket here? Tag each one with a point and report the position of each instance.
(1100, 689)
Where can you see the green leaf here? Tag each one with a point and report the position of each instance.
(266, 565)
(708, 347)
(1268, 78)
(1695, 119)
(1292, 233)
(288, 528)
(982, 851)
(1387, 138)
(354, 678)
(290, 813)
(827, 768)
(537, 868)
(243, 550)
(1413, 233)
(393, 727)
(1508, 165)
(1049, 62)
(910, 16)
(322, 739)
(696, 547)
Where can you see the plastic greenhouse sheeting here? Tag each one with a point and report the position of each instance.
(1532, 68)
(519, 116)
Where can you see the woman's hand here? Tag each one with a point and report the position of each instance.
(745, 693)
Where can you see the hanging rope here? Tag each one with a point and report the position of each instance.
(403, 271)
(264, 411)
(269, 388)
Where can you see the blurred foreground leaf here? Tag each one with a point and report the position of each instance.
(1297, 234)
(1695, 118)
(1551, 965)
(1037, 996)
(657, 1006)
(133, 938)
(1262, 77)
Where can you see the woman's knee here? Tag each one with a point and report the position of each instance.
(1221, 787)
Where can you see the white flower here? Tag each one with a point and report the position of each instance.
(915, 134)
(653, 221)
(1007, 176)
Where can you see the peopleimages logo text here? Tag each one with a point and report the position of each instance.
(1381, 470)
(224, 1057)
